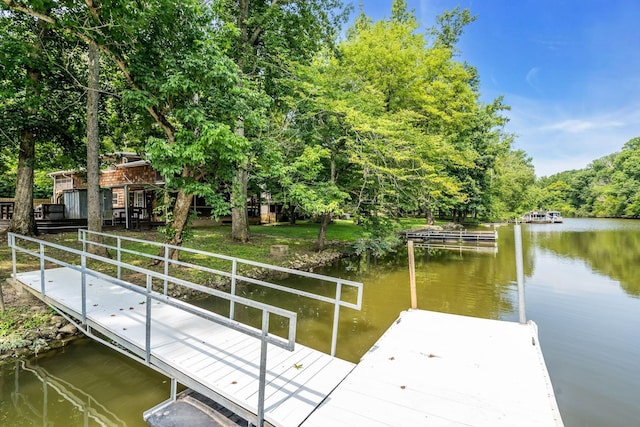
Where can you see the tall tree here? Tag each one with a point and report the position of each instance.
(23, 221)
(94, 196)
(273, 35)
(177, 73)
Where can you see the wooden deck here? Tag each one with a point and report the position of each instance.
(435, 369)
(481, 236)
(216, 361)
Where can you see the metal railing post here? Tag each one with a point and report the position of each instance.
(232, 305)
(166, 269)
(520, 272)
(336, 318)
(83, 284)
(148, 322)
(174, 389)
(263, 367)
(118, 254)
(42, 269)
(12, 242)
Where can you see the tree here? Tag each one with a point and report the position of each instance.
(94, 196)
(179, 74)
(23, 221)
(441, 141)
(513, 185)
(38, 106)
(272, 37)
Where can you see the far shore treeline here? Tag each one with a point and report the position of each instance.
(377, 119)
(608, 187)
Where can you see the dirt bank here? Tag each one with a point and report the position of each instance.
(28, 327)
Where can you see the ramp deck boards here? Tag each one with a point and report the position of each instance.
(214, 360)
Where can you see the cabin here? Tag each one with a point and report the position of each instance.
(130, 189)
(127, 184)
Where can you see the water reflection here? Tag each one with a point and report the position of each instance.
(476, 283)
(80, 408)
(609, 249)
(85, 385)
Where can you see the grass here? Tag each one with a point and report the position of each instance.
(300, 238)
(338, 230)
(21, 318)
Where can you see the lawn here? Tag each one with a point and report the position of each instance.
(300, 239)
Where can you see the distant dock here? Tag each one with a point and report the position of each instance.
(467, 236)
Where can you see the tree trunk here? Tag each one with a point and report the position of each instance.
(428, 214)
(23, 221)
(326, 216)
(322, 234)
(239, 217)
(180, 220)
(94, 208)
(292, 214)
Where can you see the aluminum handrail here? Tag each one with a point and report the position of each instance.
(337, 301)
(292, 316)
(262, 334)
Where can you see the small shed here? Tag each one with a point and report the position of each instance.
(75, 204)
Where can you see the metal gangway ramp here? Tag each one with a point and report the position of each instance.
(261, 375)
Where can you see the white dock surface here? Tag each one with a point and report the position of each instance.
(435, 369)
(211, 357)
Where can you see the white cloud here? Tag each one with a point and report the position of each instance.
(532, 77)
(559, 138)
(580, 125)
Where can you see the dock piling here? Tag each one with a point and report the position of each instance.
(519, 272)
(412, 275)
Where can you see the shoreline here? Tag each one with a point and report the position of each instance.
(53, 331)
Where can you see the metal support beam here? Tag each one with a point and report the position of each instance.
(520, 272)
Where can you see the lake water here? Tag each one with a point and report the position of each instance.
(582, 289)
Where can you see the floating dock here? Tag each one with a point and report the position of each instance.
(436, 369)
(480, 236)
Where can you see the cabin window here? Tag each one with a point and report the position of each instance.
(138, 200)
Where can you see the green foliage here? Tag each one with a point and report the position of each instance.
(39, 96)
(15, 318)
(379, 236)
(383, 123)
(608, 187)
(513, 186)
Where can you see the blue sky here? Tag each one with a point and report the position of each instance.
(569, 69)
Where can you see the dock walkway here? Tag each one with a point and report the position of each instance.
(218, 362)
(218, 357)
(441, 369)
(478, 236)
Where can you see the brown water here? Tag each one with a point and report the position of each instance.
(582, 289)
